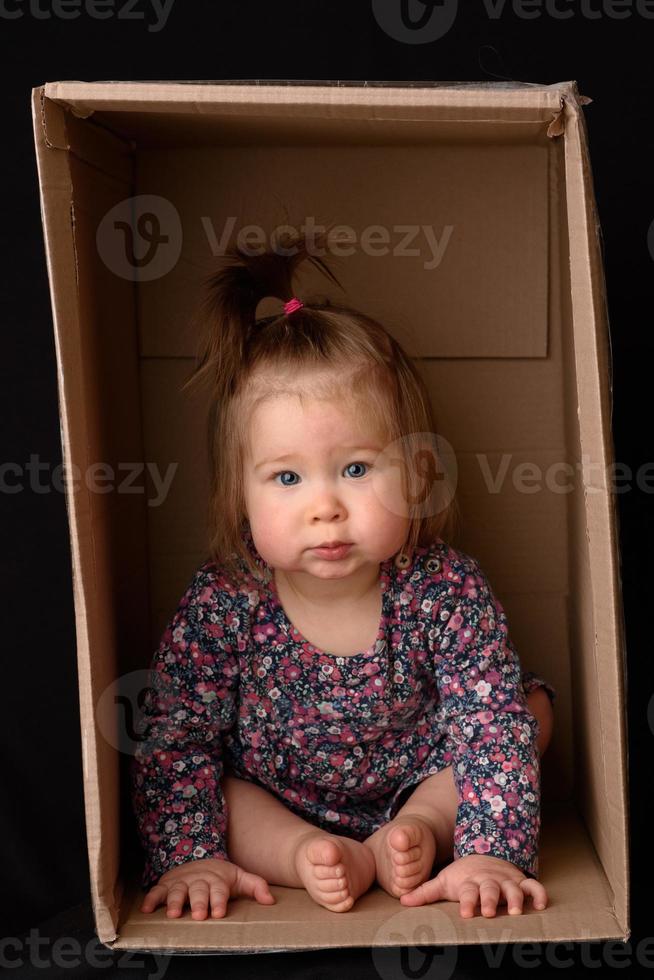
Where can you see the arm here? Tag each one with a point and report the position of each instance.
(491, 734)
(177, 799)
(531, 681)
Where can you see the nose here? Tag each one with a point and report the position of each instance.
(327, 506)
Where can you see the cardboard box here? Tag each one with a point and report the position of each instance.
(510, 322)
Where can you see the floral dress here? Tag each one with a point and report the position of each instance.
(340, 740)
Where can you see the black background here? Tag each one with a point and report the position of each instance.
(45, 882)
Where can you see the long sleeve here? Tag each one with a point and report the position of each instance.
(490, 731)
(180, 810)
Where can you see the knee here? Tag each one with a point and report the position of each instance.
(541, 707)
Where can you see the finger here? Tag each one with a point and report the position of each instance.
(468, 896)
(198, 894)
(536, 890)
(176, 898)
(489, 893)
(263, 894)
(254, 886)
(514, 896)
(154, 897)
(219, 896)
(428, 891)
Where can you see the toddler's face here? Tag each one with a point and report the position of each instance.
(332, 486)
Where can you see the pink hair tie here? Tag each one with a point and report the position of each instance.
(292, 305)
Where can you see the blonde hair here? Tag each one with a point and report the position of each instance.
(351, 356)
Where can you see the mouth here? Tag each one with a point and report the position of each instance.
(333, 549)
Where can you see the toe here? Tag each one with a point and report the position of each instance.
(332, 885)
(342, 906)
(408, 870)
(325, 871)
(325, 852)
(405, 837)
(407, 857)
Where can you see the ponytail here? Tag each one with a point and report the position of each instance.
(232, 295)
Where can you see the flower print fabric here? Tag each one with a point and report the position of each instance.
(341, 741)
(489, 731)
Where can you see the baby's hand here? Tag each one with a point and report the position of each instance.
(479, 878)
(207, 880)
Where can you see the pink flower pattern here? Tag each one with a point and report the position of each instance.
(341, 741)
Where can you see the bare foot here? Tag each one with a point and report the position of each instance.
(404, 851)
(334, 870)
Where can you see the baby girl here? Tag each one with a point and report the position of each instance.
(336, 701)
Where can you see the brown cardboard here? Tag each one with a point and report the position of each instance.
(507, 166)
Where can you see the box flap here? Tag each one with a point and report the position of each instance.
(608, 794)
(277, 112)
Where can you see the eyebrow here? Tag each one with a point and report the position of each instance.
(281, 459)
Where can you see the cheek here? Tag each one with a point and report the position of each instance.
(383, 523)
(389, 493)
(264, 543)
(260, 499)
(269, 532)
(395, 517)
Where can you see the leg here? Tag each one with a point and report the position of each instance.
(405, 847)
(266, 838)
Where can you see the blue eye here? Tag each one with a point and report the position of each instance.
(357, 464)
(282, 473)
(349, 466)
